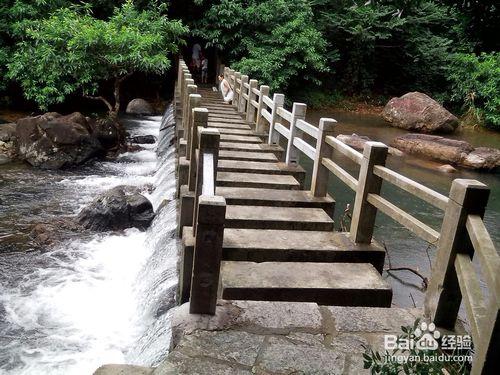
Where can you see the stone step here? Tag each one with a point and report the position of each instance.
(277, 198)
(226, 120)
(269, 245)
(244, 155)
(332, 284)
(239, 138)
(231, 116)
(286, 218)
(257, 180)
(262, 167)
(223, 125)
(224, 130)
(262, 147)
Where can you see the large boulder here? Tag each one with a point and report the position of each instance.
(53, 141)
(449, 151)
(117, 209)
(8, 142)
(418, 112)
(139, 107)
(143, 139)
(358, 142)
(108, 132)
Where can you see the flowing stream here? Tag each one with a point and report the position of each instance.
(95, 298)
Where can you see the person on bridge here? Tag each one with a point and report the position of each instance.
(195, 57)
(204, 69)
(225, 88)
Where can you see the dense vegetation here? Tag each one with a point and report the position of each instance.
(319, 50)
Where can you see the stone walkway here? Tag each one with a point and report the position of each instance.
(253, 337)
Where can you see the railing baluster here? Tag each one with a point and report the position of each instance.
(278, 101)
(320, 174)
(264, 91)
(242, 102)
(443, 296)
(363, 216)
(298, 113)
(250, 117)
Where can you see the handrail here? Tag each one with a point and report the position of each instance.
(284, 114)
(208, 184)
(344, 149)
(307, 128)
(420, 191)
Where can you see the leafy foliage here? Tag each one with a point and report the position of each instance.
(475, 81)
(275, 41)
(71, 51)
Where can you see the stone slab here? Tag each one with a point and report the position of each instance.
(290, 218)
(223, 125)
(271, 181)
(266, 245)
(239, 138)
(235, 146)
(244, 155)
(340, 284)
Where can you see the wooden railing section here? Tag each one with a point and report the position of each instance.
(462, 231)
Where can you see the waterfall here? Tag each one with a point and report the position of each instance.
(101, 298)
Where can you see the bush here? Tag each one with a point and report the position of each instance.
(475, 84)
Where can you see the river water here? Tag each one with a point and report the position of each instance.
(95, 298)
(404, 248)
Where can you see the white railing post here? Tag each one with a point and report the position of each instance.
(194, 101)
(200, 119)
(443, 297)
(298, 113)
(320, 174)
(243, 101)
(236, 89)
(278, 101)
(264, 91)
(363, 215)
(251, 97)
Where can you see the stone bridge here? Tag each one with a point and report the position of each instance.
(251, 232)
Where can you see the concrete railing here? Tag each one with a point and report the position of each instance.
(462, 231)
(202, 210)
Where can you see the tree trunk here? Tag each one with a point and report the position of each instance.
(116, 93)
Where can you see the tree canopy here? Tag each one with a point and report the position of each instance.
(319, 50)
(73, 52)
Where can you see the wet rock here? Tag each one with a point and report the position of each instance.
(109, 132)
(47, 234)
(116, 210)
(8, 143)
(52, 141)
(449, 151)
(354, 140)
(483, 158)
(446, 168)
(113, 369)
(418, 112)
(139, 107)
(143, 139)
(434, 147)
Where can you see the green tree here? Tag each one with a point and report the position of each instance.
(275, 41)
(73, 52)
(475, 83)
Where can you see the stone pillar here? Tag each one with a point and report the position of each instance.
(363, 216)
(264, 91)
(251, 96)
(443, 297)
(194, 101)
(243, 102)
(298, 113)
(236, 97)
(200, 119)
(207, 254)
(209, 144)
(320, 174)
(278, 101)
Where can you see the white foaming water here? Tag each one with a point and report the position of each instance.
(99, 300)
